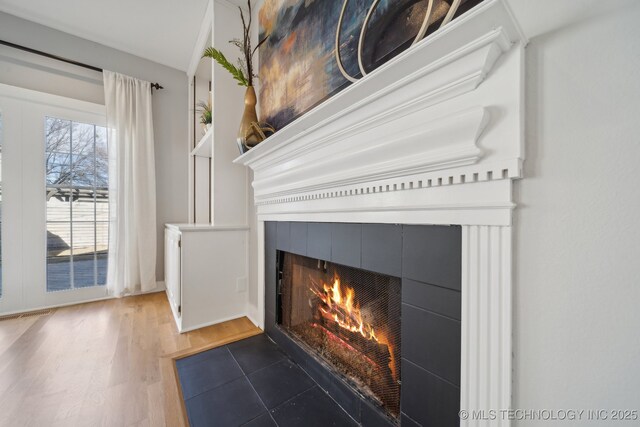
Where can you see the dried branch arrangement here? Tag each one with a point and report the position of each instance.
(243, 73)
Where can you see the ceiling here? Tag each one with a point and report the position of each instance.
(165, 31)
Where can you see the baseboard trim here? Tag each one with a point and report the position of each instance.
(252, 315)
(159, 288)
(216, 321)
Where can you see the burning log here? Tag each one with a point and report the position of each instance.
(342, 309)
(353, 334)
(341, 316)
(366, 366)
(378, 353)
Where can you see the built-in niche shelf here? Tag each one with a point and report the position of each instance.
(207, 271)
(205, 146)
(214, 181)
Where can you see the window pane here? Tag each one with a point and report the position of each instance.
(58, 151)
(102, 245)
(58, 207)
(102, 158)
(58, 256)
(83, 205)
(58, 236)
(58, 273)
(83, 238)
(102, 205)
(84, 270)
(83, 160)
(83, 254)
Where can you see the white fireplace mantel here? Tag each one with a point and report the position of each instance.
(444, 113)
(434, 136)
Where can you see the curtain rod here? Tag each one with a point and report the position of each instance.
(60, 58)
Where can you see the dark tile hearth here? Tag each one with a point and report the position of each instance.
(263, 420)
(280, 382)
(214, 368)
(231, 404)
(313, 408)
(253, 383)
(255, 353)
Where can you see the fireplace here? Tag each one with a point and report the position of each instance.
(432, 138)
(350, 319)
(372, 313)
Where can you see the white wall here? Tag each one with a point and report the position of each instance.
(577, 292)
(169, 105)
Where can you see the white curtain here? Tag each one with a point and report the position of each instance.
(132, 185)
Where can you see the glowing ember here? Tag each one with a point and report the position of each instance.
(340, 306)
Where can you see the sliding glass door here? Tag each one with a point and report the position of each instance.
(55, 210)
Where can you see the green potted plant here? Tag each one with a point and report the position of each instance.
(244, 74)
(206, 116)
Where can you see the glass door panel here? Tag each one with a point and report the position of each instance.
(77, 204)
(54, 203)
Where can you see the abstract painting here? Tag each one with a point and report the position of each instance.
(298, 69)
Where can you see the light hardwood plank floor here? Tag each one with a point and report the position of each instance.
(107, 363)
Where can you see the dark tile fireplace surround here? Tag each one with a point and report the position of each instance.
(426, 260)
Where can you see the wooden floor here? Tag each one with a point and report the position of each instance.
(107, 363)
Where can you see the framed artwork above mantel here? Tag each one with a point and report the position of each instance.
(298, 67)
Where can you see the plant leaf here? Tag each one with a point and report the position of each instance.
(219, 57)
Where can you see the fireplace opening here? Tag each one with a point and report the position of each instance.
(348, 318)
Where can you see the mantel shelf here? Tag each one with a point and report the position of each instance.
(471, 43)
(205, 146)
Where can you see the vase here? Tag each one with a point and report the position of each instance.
(247, 133)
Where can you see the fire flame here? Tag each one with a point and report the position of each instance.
(341, 307)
